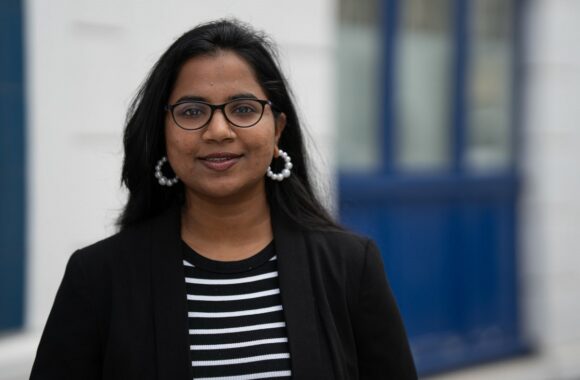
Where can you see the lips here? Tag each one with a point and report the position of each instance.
(220, 161)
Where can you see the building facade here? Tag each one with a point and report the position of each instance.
(445, 129)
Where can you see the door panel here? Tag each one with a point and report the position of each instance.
(448, 248)
(11, 167)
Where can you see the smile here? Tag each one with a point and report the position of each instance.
(220, 161)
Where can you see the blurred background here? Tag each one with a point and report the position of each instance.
(447, 130)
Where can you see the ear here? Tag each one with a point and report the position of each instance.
(279, 128)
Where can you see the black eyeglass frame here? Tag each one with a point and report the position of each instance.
(213, 107)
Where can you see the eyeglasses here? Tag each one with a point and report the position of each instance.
(242, 113)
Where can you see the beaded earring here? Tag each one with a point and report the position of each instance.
(286, 172)
(164, 181)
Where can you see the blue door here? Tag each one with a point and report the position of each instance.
(11, 166)
(432, 175)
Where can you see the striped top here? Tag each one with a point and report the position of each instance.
(236, 322)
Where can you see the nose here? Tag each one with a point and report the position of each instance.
(218, 128)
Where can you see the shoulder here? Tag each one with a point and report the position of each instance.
(340, 242)
(120, 246)
(342, 265)
(340, 251)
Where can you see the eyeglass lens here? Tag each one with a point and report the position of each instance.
(241, 113)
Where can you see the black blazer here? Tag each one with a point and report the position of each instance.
(121, 311)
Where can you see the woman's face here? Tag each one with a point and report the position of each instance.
(221, 161)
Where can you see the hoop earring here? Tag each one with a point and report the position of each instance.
(164, 181)
(286, 172)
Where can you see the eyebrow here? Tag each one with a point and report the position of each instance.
(193, 98)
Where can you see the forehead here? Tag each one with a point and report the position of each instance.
(216, 77)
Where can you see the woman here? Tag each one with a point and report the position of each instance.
(224, 267)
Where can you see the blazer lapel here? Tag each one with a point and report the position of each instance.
(297, 299)
(169, 298)
(170, 306)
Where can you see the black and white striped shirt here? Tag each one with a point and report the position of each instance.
(236, 322)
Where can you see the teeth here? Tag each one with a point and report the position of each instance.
(218, 159)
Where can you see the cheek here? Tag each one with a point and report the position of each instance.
(265, 149)
(264, 159)
(178, 149)
(170, 139)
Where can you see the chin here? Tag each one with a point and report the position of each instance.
(228, 191)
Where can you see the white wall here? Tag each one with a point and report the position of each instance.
(85, 59)
(552, 159)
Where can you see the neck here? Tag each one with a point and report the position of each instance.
(226, 229)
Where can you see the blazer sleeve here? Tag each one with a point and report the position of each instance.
(382, 346)
(69, 347)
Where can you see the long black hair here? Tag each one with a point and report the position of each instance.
(144, 139)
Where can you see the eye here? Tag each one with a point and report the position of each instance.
(190, 110)
(244, 107)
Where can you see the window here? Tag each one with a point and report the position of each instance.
(359, 86)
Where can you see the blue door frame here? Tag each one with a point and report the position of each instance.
(448, 239)
(12, 167)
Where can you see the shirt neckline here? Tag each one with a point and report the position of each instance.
(238, 266)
